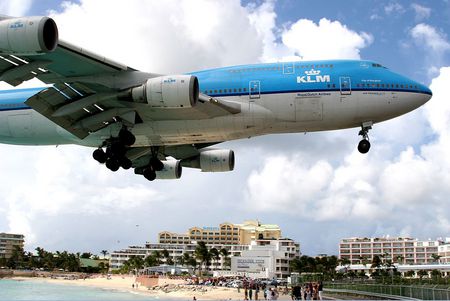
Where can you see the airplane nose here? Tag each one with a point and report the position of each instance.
(426, 93)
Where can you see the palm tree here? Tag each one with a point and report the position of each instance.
(167, 258)
(157, 255)
(104, 253)
(436, 257)
(202, 254)
(215, 255)
(400, 259)
(226, 259)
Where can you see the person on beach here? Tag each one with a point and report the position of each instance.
(245, 293)
(320, 289)
(268, 294)
(250, 293)
(275, 294)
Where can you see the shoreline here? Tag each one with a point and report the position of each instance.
(171, 291)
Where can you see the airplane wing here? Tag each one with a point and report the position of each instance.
(89, 91)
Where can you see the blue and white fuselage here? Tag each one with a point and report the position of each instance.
(274, 98)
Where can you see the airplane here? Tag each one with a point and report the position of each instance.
(158, 124)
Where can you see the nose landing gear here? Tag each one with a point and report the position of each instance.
(364, 144)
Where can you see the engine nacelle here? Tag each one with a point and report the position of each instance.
(28, 35)
(174, 91)
(172, 170)
(217, 160)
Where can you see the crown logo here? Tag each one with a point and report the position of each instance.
(312, 72)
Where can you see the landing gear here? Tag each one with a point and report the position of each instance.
(115, 155)
(149, 173)
(364, 144)
(100, 156)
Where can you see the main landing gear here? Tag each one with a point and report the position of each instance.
(364, 144)
(154, 165)
(114, 157)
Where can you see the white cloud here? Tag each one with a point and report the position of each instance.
(422, 12)
(394, 8)
(15, 8)
(312, 41)
(428, 36)
(159, 37)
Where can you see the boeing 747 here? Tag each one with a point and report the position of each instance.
(158, 124)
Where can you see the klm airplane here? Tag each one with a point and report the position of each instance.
(158, 123)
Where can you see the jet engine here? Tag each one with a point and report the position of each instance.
(212, 160)
(28, 36)
(174, 91)
(217, 160)
(172, 170)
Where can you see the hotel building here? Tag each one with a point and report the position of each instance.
(397, 249)
(248, 240)
(224, 234)
(8, 242)
(444, 251)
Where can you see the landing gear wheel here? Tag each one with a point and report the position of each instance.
(363, 146)
(99, 155)
(113, 164)
(126, 137)
(125, 163)
(156, 164)
(117, 149)
(149, 174)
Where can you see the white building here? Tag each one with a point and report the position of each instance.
(176, 251)
(444, 251)
(396, 249)
(266, 259)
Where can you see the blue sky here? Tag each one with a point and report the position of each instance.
(316, 186)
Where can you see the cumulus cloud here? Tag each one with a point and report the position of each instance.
(428, 35)
(311, 41)
(394, 8)
(174, 36)
(434, 43)
(15, 8)
(422, 12)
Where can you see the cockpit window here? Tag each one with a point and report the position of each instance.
(378, 65)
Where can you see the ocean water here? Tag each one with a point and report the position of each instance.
(36, 290)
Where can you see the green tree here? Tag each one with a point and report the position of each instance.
(422, 273)
(86, 255)
(376, 262)
(435, 257)
(225, 256)
(168, 260)
(202, 255)
(215, 255)
(104, 253)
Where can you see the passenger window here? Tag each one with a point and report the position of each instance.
(334, 86)
(234, 90)
(245, 89)
(215, 91)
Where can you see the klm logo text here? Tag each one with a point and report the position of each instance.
(313, 76)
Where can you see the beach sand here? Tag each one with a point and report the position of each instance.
(124, 284)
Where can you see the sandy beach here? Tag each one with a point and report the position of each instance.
(172, 291)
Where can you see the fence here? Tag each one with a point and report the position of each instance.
(404, 291)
